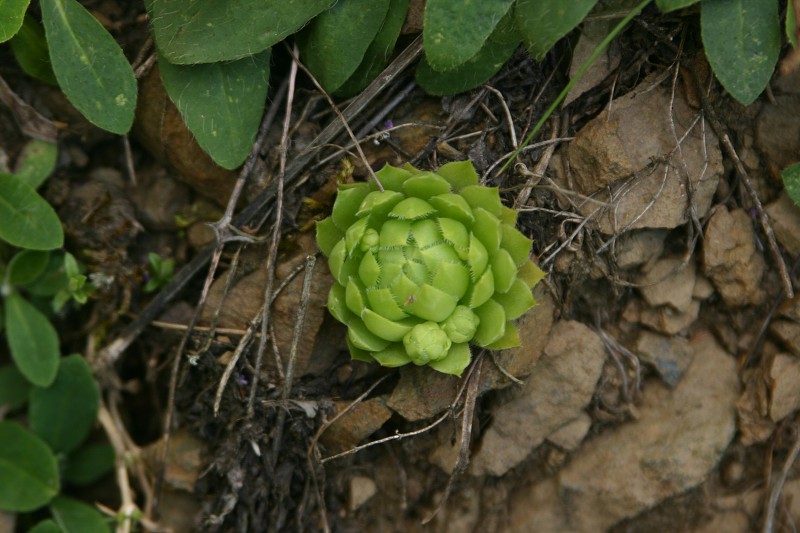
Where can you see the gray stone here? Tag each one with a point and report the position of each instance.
(561, 385)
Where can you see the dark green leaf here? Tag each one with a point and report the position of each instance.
(380, 51)
(543, 22)
(671, 5)
(45, 526)
(52, 280)
(26, 266)
(89, 65)
(499, 47)
(791, 24)
(742, 39)
(26, 219)
(14, 388)
(63, 413)
(77, 517)
(11, 14)
(221, 103)
(30, 50)
(454, 31)
(28, 470)
(335, 42)
(36, 162)
(207, 31)
(791, 180)
(89, 463)
(32, 339)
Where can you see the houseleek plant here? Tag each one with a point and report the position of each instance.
(426, 267)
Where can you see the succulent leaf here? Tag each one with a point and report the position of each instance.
(347, 203)
(328, 235)
(426, 342)
(426, 267)
(487, 229)
(425, 185)
(456, 360)
(460, 174)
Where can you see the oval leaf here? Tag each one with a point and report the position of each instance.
(380, 50)
(11, 21)
(26, 219)
(14, 388)
(63, 413)
(456, 30)
(88, 464)
(671, 5)
(791, 180)
(485, 64)
(89, 65)
(742, 40)
(36, 162)
(77, 517)
(45, 526)
(543, 22)
(221, 103)
(207, 31)
(33, 341)
(30, 50)
(28, 470)
(26, 266)
(335, 42)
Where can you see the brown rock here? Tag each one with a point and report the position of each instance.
(160, 128)
(788, 332)
(561, 385)
(422, 393)
(364, 419)
(703, 289)
(778, 132)
(785, 397)
(784, 216)
(617, 149)
(570, 435)
(670, 356)
(669, 282)
(678, 438)
(638, 247)
(245, 297)
(752, 408)
(667, 320)
(361, 490)
(534, 327)
(730, 258)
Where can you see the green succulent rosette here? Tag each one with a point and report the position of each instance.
(426, 267)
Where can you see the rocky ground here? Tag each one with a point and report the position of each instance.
(658, 384)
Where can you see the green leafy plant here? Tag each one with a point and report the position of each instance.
(61, 395)
(426, 267)
(160, 272)
(214, 57)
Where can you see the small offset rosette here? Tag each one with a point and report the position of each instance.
(426, 267)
